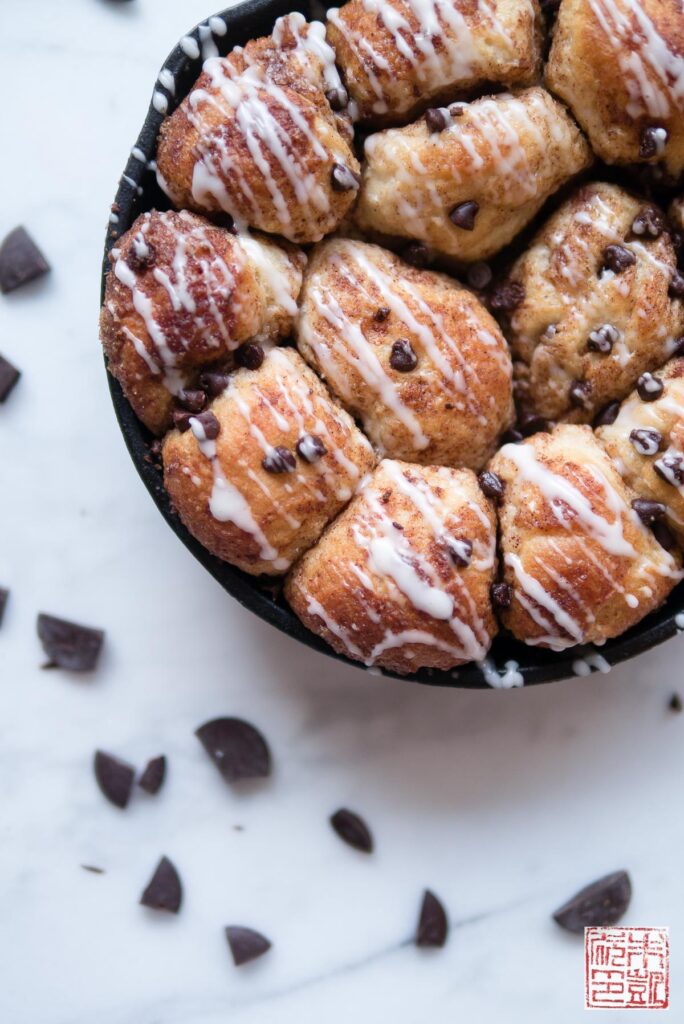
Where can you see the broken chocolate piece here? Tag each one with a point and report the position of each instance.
(433, 926)
(4, 597)
(464, 214)
(238, 750)
(598, 905)
(164, 890)
(114, 777)
(352, 829)
(9, 375)
(153, 776)
(68, 645)
(21, 260)
(491, 485)
(245, 944)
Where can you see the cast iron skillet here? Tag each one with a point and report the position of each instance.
(138, 192)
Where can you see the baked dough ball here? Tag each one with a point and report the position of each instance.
(410, 353)
(646, 443)
(257, 138)
(469, 189)
(182, 294)
(598, 307)
(619, 65)
(402, 578)
(398, 56)
(579, 564)
(256, 476)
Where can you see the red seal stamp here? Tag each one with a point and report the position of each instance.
(626, 968)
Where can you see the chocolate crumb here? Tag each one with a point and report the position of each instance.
(164, 890)
(381, 314)
(245, 944)
(502, 595)
(237, 748)
(153, 776)
(598, 905)
(93, 870)
(141, 260)
(69, 645)
(352, 829)
(114, 777)
(433, 927)
(21, 260)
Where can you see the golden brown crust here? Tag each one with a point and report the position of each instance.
(581, 565)
(382, 585)
(358, 304)
(505, 153)
(258, 520)
(182, 294)
(571, 297)
(638, 458)
(256, 138)
(393, 73)
(619, 65)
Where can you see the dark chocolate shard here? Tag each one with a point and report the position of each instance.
(114, 777)
(164, 890)
(21, 260)
(245, 944)
(598, 905)
(4, 598)
(238, 750)
(352, 829)
(433, 927)
(9, 375)
(69, 645)
(93, 869)
(153, 775)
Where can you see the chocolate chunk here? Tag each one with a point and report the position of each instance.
(676, 289)
(603, 338)
(457, 110)
(507, 296)
(461, 552)
(511, 436)
(352, 829)
(21, 261)
(343, 179)
(192, 399)
(532, 423)
(433, 926)
(311, 448)
(224, 220)
(164, 890)
(152, 777)
(479, 275)
(381, 314)
(238, 750)
(645, 441)
(599, 905)
(436, 119)
(649, 388)
(580, 393)
(648, 223)
(608, 415)
(617, 258)
(4, 597)
(141, 257)
(245, 944)
(502, 595)
(279, 460)
(491, 485)
(337, 98)
(417, 254)
(9, 375)
(251, 356)
(675, 703)
(652, 142)
(649, 511)
(68, 645)
(670, 469)
(211, 428)
(402, 357)
(114, 777)
(664, 536)
(181, 419)
(463, 215)
(214, 383)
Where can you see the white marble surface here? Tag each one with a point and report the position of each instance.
(503, 802)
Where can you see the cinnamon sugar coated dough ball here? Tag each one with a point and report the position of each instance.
(598, 307)
(619, 65)
(469, 189)
(257, 138)
(646, 444)
(401, 579)
(397, 56)
(410, 353)
(581, 564)
(256, 476)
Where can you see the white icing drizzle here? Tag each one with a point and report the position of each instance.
(190, 47)
(160, 102)
(584, 666)
(679, 621)
(511, 676)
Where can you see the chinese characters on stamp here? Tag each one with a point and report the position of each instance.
(626, 968)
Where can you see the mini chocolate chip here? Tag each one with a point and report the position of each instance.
(603, 338)
(511, 436)
(381, 314)
(507, 296)
(192, 399)
(224, 220)
(337, 98)
(385, 497)
(153, 776)
(209, 424)
(649, 388)
(479, 275)
(502, 595)
(457, 110)
(21, 261)
(311, 448)
(164, 890)
(4, 597)
(245, 944)
(675, 703)
(436, 119)
(214, 383)
(607, 415)
(663, 534)
(492, 485)
(181, 419)
(463, 215)
(461, 551)
(417, 254)
(579, 394)
(648, 222)
(670, 469)
(433, 926)
(9, 375)
(352, 829)
(652, 142)
(532, 423)
(238, 750)
(617, 258)
(598, 905)
(676, 289)
(114, 777)
(141, 258)
(649, 511)
(646, 442)
(68, 645)
(397, 526)
(343, 179)
(250, 356)
(402, 357)
(279, 460)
